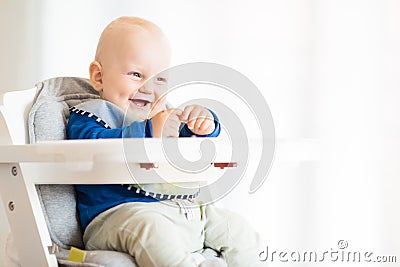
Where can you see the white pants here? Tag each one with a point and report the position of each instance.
(160, 234)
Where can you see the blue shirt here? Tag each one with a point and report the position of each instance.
(94, 199)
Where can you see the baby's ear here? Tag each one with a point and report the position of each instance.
(96, 75)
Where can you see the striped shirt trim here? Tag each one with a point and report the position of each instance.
(158, 195)
(89, 115)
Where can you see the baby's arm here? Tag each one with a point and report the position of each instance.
(197, 117)
(84, 127)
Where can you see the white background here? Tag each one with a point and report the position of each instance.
(329, 71)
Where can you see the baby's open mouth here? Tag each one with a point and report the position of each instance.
(141, 103)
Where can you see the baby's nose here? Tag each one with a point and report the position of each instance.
(146, 89)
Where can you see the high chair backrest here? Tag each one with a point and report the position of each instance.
(40, 114)
(47, 120)
(14, 109)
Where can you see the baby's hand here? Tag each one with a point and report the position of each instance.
(166, 123)
(198, 119)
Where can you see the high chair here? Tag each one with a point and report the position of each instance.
(38, 169)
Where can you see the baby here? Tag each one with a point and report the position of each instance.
(130, 56)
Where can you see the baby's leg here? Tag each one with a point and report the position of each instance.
(230, 234)
(156, 234)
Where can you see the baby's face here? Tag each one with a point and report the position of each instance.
(130, 62)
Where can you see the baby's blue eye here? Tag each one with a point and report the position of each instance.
(161, 79)
(137, 74)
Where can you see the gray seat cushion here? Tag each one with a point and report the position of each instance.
(47, 121)
(59, 208)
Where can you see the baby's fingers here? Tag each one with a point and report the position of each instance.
(202, 118)
(199, 121)
(174, 111)
(185, 113)
(193, 118)
(207, 125)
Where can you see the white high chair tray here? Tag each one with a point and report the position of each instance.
(104, 161)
